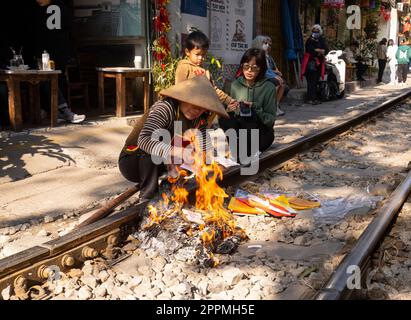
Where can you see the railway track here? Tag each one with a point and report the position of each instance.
(38, 264)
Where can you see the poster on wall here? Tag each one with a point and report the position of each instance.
(231, 29)
(108, 19)
(229, 26)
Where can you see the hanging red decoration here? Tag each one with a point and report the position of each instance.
(387, 15)
(161, 22)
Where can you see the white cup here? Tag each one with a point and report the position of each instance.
(138, 62)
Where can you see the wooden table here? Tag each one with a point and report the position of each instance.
(34, 77)
(121, 74)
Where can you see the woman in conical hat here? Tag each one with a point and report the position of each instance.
(149, 147)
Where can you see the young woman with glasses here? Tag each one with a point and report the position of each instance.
(258, 104)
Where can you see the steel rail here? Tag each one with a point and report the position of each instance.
(336, 287)
(50, 251)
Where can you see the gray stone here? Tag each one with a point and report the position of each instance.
(85, 293)
(159, 263)
(43, 233)
(202, 287)
(100, 292)
(220, 296)
(159, 284)
(300, 240)
(168, 268)
(153, 293)
(170, 280)
(381, 189)
(217, 285)
(181, 289)
(48, 219)
(103, 276)
(145, 271)
(165, 296)
(296, 271)
(294, 292)
(254, 295)
(12, 230)
(240, 292)
(59, 289)
(90, 281)
(5, 293)
(285, 183)
(70, 294)
(134, 282)
(88, 269)
(142, 290)
(232, 276)
(123, 278)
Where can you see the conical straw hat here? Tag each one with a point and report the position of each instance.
(199, 92)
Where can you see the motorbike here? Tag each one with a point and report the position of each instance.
(333, 85)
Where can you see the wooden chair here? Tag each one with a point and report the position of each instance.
(76, 88)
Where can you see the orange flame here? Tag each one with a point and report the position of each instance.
(208, 238)
(180, 196)
(210, 196)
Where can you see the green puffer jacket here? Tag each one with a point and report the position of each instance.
(263, 96)
(403, 54)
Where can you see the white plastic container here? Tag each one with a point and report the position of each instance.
(45, 59)
(138, 62)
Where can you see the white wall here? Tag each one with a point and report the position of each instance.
(389, 29)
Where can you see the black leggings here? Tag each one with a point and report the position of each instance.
(139, 168)
(313, 77)
(266, 134)
(381, 67)
(402, 73)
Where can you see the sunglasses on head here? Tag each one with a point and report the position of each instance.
(247, 66)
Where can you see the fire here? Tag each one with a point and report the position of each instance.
(210, 196)
(155, 217)
(180, 196)
(208, 238)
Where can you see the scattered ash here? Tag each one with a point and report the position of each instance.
(188, 242)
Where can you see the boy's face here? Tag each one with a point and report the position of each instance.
(196, 56)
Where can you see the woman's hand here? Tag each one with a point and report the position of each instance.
(233, 105)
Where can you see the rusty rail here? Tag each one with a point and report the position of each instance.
(336, 287)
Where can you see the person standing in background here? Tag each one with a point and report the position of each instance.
(272, 73)
(392, 61)
(382, 58)
(403, 57)
(57, 42)
(314, 63)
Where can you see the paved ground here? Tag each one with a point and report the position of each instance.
(51, 172)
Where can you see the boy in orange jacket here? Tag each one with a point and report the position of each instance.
(196, 48)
